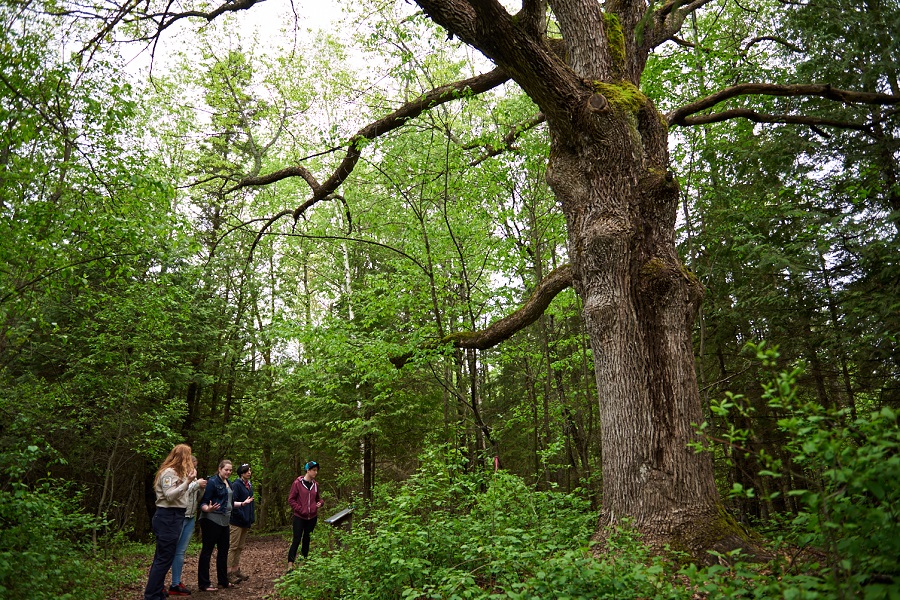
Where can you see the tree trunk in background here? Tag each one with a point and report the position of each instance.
(262, 510)
(368, 469)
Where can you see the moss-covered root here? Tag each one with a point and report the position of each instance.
(720, 535)
(700, 540)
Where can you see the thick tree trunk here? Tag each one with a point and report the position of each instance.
(608, 168)
(639, 307)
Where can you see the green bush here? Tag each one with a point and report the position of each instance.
(851, 511)
(41, 542)
(45, 539)
(449, 534)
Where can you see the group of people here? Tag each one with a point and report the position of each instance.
(226, 515)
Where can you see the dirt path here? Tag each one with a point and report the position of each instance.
(264, 559)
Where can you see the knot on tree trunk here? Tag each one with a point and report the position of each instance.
(659, 277)
(597, 103)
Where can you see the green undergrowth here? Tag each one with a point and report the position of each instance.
(449, 534)
(46, 542)
(846, 474)
(454, 535)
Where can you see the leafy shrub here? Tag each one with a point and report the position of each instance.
(40, 551)
(853, 514)
(448, 534)
(45, 539)
(851, 511)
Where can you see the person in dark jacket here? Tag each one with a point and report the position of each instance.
(215, 515)
(242, 518)
(305, 503)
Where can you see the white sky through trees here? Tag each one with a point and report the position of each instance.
(272, 23)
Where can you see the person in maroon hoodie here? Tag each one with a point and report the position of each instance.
(305, 503)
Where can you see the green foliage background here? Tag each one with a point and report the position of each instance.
(146, 300)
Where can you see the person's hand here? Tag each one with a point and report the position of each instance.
(201, 483)
(192, 474)
(320, 504)
(247, 501)
(212, 506)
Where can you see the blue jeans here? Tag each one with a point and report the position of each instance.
(185, 539)
(167, 525)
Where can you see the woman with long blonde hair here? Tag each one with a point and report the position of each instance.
(171, 484)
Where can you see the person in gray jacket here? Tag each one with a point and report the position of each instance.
(173, 478)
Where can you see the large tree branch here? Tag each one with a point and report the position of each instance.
(666, 21)
(680, 115)
(440, 95)
(535, 63)
(499, 331)
(750, 115)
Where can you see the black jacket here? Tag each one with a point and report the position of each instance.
(242, 516)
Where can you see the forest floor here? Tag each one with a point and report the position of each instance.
(264, 559)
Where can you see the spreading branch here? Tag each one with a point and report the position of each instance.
(440, 95)
(769, 38)
(499, 331)
(514, 133)
(751, 115)
(168, 19)
(681, 116)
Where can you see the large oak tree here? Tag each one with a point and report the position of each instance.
(609, 169)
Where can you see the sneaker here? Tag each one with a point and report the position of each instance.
(242, 576)
(234, 578)
(179, 590)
